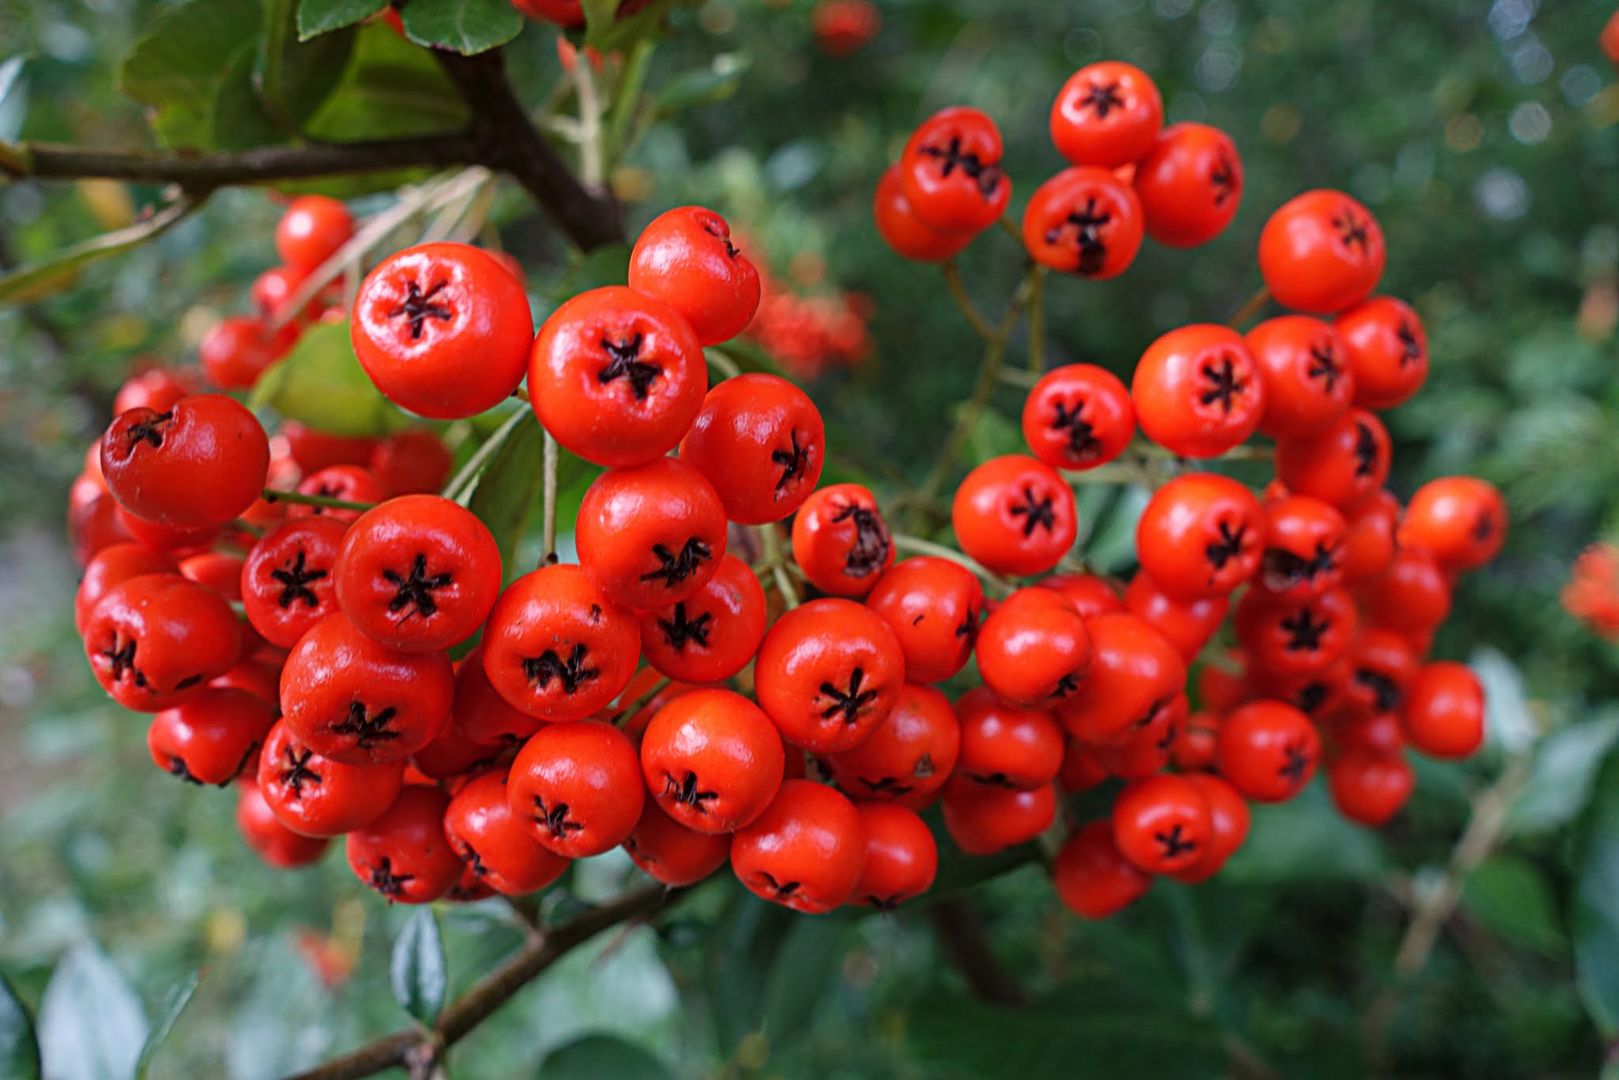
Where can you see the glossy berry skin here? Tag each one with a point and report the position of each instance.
(1194, 742)
(494, 843)
(950, 171)
(685, 258)
(479, 714)
(311, 230)
(211, 738)
(1443, 713)
(1162, 823)
(287, 583)
(156, 389)
(1267, 750)
(1186, 624)
(1229, 820)
(236, 351)
(114, 564)
(903, 231)
(1321, 252)
(359, 702)
(556, 647)
(1078, 416)
(1201, 535)
(404, 855)
(1292, 637)
(1343, 464)
(670, 852)
(1412, 596)
(196, 465)
(761, 442)
(1091, 595)
(1319, 692)
(1143, 752)
(1379, 733)
(272, 841)
(1387, 349)
(316, 796)
(1304, 540)
(983, 820)
(902, 858)
(155, 639)
(711, 635)
(908, 756)
(418, 573)
(804, 852)
(1460, 520)
(1034, 650)
(1189, 184)
(1006, 746)
(1369, 788)
(578, 787)
(1083, 221)
(827, 673)
(1015, 515)
(841, 541)
(1305, 367)
(176, 542)
(933, 606)
(442, 329)
(349, 483)
(410, 463)
(1197, 391)
(1093, 878)
(1107, 114)
(712, 760)
(1135, 675)
(617, 377)
(314, 450)
(651, 535)
(1381, 667)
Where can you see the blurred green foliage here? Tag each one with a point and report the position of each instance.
(1486, 138)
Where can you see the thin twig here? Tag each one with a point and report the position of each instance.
(1250, 308)
(461, 485)
(548, 502)
(1037, 321)
(776, 559)
(958, 292)
(918, 546)
(270, 495)
(962, 935)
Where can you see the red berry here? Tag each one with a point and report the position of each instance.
(712, 760)
(1015, 515)
(1201, 535)
(1091, 595)
(909, 754)
(154, 640)
(238, 349)
(1162, 824)
(156, 388)
(906, 233)
(1106, 114)
(1186, 624)
(932, 605)
(411, 463)
(113, 565)
(1443, 712)
(1268, 750)
(1006, 746)
(1304, 540)
(1093, 878)
(276, 844)
(827, 673)
(1292, 637)
(1078, 416)
(1305, 368)
(1083, 221)
(1412, 596)
(983, 820)
(1321, 252)
(287, 584)
(685, 258)
(1229, 819)
(1197, 391)
(670, 852)
(901, 860)
(196, 465)
(1342, 464)
(349, 483)
(494, 843)
(1387, 349)
(315, 450)
(1189, 184)
(315, 796)
(1460, 520)
(1034, 650)
(805, 851)
(1368, 787)
(578, 787)
(841, 541)
(711, 635)
(950, 171)
(211, 738)
(403, 854)
(311, 230)
(1135, 675)
(761, 442)
(651, 535)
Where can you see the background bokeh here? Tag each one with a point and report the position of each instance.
(1486, 139)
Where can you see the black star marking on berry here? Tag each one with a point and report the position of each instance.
(474, 861)
(1223, 178)
(418, 307)
(1037, 513)
(994, 779)
(367, 730)
(968, 627)
(686, 791)
(1174, 842)
(986, 177)
(1145, 719)
(1311, 696)
(1324, 365)
(1297, 763)
(1366, 454)
(1483, 527)
(1385, 692)
(1087, 222)
(414, 591)
(887, 785)
(123, 662)
(1228, 547)
(885, 904)
(1068, 684)
(624, 363)
(678, 567)
(780, 889)
(1281, 569)
(852, 702)
(556, 819)
(681, 629)
(296, 773)
(388, 883)
(924, 766)
(178, 767)
(295, 578)
(1223, 384)
(1163, 744)
(1304, 633)
(869, 552)
(791, 462)
(1103, 97)
(148, 431)
(1082, 441)
(716, 230)
(1353, 230)
(573, 673)
(1410, 347)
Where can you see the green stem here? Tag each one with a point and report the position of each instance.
(462, 483)
(722, 363)
(776, 559)
(549, 502)
(1249, 309)
(918, 546)
(1037, 321)
(958, 293)
(626, 97)
(324, 501)
(641, 702)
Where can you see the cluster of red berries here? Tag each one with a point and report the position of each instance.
(1128, 176)
(807, 334)
(1592, 592)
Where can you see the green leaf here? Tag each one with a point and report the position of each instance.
(416, 971)
(324, 16)
(510, 483)
(294, 77)
(1565, 764)
(390, 89)
(320, 382)
(1596, 903)
(608, 33)
(27, 284)
(19, 1047)
(90, 1021)
(1511, 896)
(173, 1006)
(463, 26)
(607, 265)
(704, 86)
(593, 1056)
(1304, 840)
(240, 120)
(802, 977)
(183, 62)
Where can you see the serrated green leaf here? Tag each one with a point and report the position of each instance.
(90, 1021)
(320, 382)
(323, 16)
(463, 26)
(29, 283)
(19, 1046)
(593, 1056)
(510, 483)
(390, 89)
(180, 65)
(167, 1017)
(416, 972)
(294, 77)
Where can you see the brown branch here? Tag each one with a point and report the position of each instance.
(462, 1015)
(957, 927)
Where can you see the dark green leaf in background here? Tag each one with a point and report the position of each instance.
(1304, 840)
(390, 89)
(90, 1021)
(294, 77)
(167, 1017)
(1596, 903)
(463, 26)
(510, 483)
(417, 972)
(183, 64)
(19, 1048)
(324, 16)
(1511, 896)
(592, 1057)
